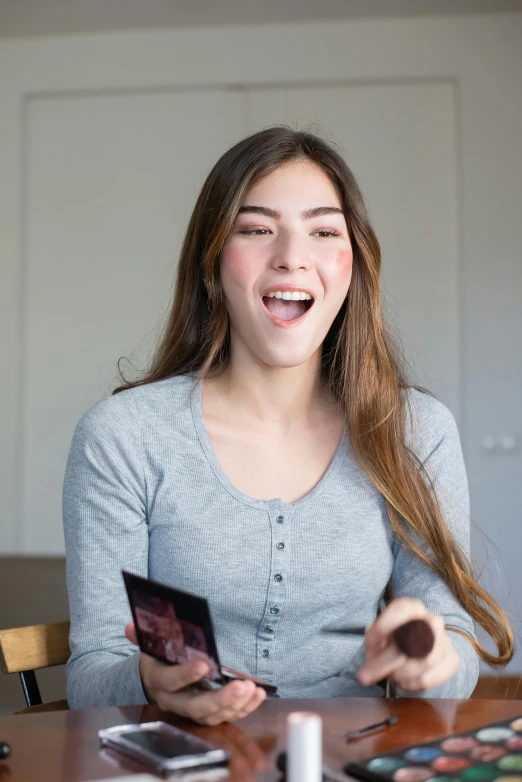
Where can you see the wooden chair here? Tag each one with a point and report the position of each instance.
(26, 649)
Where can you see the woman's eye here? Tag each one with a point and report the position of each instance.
(263, 231)
(326, 233)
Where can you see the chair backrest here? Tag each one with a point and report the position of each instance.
(26, 649)
(33, 647)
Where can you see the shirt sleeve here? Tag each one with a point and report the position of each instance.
(413, 578)
(105, 526)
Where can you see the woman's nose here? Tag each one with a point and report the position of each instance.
(291, 253)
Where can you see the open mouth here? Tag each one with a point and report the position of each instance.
(287, 309)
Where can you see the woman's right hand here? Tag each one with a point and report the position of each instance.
(170, 687)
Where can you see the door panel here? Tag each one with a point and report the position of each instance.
(111, 182)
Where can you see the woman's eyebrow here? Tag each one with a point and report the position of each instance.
(316, 211)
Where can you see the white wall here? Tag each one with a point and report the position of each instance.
(111, 183)
(480, 57)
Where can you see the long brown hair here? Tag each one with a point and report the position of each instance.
(360, 365)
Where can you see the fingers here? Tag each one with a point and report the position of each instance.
(256, 700)
(380, 665)
(130, 633)
(172, 688)
(385, 660)
(229, 703)
(209, 707)
(172, 678)
(399, 611)
(237, 709)
(416, 676)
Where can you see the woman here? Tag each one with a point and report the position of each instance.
(275, 460)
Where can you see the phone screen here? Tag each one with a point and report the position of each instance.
(165, 746)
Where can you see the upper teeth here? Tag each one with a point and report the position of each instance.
(294, 295)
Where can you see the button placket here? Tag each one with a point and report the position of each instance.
(276, 594)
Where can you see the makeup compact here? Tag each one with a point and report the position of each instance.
(176, 626)
(491, 752)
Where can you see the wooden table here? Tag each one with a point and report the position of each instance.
(64, 746)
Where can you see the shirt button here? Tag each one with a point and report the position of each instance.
(269, 629)
(265, 653)
(280, 546)
(280, 519)
(278, 577)
(274, 609)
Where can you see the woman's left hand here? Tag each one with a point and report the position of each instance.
(383, 659)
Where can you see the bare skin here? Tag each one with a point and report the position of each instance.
(263, 462)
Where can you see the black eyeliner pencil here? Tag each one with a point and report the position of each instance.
(354, 734)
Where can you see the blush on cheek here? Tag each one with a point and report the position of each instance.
(234, 267)
(344, 265)
(345, 260)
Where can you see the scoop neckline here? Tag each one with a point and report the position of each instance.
(276, 502)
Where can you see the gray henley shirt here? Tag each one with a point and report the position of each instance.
(291, 586)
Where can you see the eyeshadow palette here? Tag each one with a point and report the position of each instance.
(175, 627)
(492, 752)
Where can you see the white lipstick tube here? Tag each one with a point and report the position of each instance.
(305, 750)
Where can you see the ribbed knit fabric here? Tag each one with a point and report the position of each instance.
(143, 491)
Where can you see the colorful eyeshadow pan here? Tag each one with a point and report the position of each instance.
(479, 774)
(487, 753)
(514, 743)
(386, 765)
(510, 763)
(445, 779)
(494, 734)
(459, 744)
(446, 764)
(412, 774)
(492, 753)
(422, 754)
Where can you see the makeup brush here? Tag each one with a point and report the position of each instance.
(355, 734)
(415, 638)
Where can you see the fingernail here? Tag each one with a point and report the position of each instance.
(364, 677)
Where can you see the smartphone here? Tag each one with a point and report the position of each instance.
(163, 747)
(175, 626)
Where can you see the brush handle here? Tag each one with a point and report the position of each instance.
(415, 638)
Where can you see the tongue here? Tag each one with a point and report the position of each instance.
(285, 309)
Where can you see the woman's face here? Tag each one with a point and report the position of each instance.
(290, 235)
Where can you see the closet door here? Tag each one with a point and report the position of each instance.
(399, 140)
(111, 180)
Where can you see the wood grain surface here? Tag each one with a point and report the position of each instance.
(64, 746)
